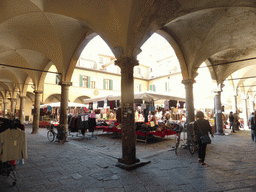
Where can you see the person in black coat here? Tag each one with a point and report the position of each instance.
(202, 127)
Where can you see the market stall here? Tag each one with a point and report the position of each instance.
(145, 101)
(49, 113)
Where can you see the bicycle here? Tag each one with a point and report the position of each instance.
(60, 136)
(51, 134)
(178, 130)
(192, 142)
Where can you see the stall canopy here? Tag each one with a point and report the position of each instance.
(57, 104)
(147, 96)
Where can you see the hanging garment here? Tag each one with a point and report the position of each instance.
(166, 105)
(172, 103)
(13, 145)
(91, 106)
(100, 103)
(181, 104)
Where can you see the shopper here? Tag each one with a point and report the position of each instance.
(202, 127)
(231, 119)
(252, 126)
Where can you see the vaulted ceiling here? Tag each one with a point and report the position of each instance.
(37, 33)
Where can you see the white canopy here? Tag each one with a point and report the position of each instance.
(147, 96)
(57, 104)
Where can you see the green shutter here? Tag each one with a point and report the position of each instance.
(89, 82)
(111, 84)
(81, 80)
(151, 87)
(104, 83)
(154, 88)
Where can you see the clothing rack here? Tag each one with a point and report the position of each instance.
(80, 123)
(8, 170)
(8, 167)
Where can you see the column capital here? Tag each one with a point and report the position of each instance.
(66, 83)
(217, 92)
(125, 62)
(5, 101)
(22, 97)
(188, 81)
(38, 92)
(13, 99)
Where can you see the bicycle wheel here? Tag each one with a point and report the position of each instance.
(177, 144)
(191, 148)
(51, 136)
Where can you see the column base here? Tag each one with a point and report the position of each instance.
(138, 163)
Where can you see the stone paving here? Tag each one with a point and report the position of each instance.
(82, 166)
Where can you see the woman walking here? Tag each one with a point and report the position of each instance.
(202, 128)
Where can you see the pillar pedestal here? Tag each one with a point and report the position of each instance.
(218, 113)
(5, 108)
(64, 106)
(22, 106)
(190, 114)
(36, 117)
(128, 159)
(13, 104)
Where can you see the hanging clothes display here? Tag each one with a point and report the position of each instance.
(13, 144)
(172, 103)
(100, 104)
(181, 104)
(91, 106)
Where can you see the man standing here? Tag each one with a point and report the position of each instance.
(231, 119)
(252, 126)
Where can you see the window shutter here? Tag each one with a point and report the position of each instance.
(81, 81)
(154, 88)
(104, 83)
(89, 82)
(151, 87)
(111, 84)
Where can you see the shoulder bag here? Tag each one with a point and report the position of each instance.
(205, 139)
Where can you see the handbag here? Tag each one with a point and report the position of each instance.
(205, 139)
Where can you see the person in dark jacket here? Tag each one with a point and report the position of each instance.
(252, 126)
(231, 119)
(202, 127)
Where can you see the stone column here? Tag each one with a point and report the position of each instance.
(190, 111)
(127, 110)
(245, 114)
(251, 104)
(64, 105)
(218, 113)
(22, 105)
(5, 107)
(36, 112)
(13, 104)
(234, 104)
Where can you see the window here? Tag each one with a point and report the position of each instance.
(85, 81)
(138, 70)
(93, 84)
(108, 84)
(57, 79)
(139, 87)
(101, 60)
(152, 88)
(118, 70)
(166, 86)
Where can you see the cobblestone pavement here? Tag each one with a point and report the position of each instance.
(89, 166)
